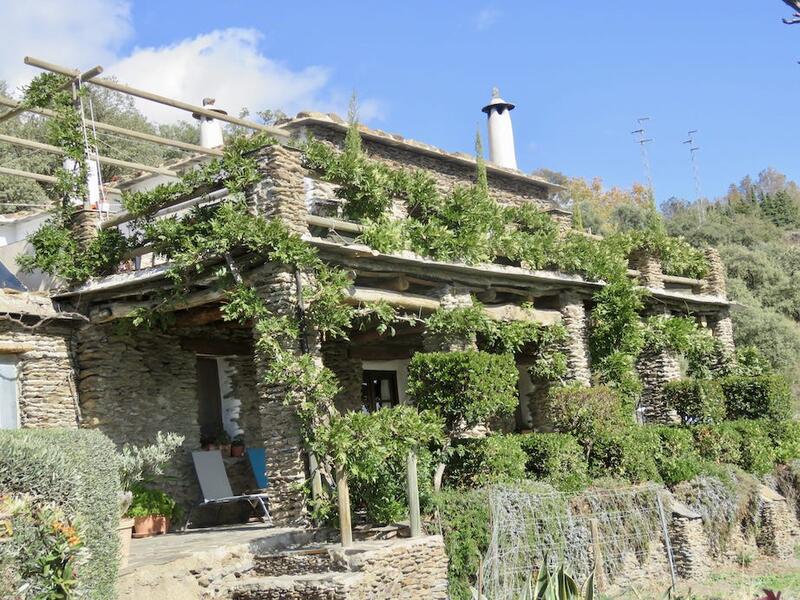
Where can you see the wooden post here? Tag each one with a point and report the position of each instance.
(412, 490)
(599, 572)
(343, 496)
(316, 478)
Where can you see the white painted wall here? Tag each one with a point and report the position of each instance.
(231, 405)
(399, 366)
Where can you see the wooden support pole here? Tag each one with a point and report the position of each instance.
(9, 139)
(139, 135)
(28, 175)
(316, 478)
(118, 87)
(599, 569)
(76, 75)
(412, 490)
(343, 497)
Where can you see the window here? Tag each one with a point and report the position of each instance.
(379, 390)
(9, 414)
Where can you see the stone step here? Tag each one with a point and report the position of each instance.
(302, 562)
(314, 586)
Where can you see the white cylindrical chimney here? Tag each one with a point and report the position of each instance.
(501, 134)
(210, 129)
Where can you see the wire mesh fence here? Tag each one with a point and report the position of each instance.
(598, 530)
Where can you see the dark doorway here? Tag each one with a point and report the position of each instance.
(379, 390)
(209, 399)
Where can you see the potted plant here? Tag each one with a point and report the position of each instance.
(224, 442)
(152, 511)
(208, 442)
(237, 445)
(138, 464)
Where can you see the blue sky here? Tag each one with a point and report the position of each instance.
(580, 74)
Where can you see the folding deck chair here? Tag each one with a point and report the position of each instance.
(216, 487)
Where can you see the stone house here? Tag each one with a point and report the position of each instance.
(73, 365)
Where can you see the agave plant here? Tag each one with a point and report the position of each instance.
(557, 585)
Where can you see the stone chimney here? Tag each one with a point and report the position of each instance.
(501, 134)
(210, 129)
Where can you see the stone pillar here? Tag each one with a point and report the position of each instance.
(280, 423)
(450, 297)
(280, 192)
(348, 371)
(649, 267)
(690, 549)
(655, 370)
(714, 283)
(775, 535)
(722, 329)
(85, 224)
(573, 316)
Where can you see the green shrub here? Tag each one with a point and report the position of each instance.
(464, 517)
(148, 502)
(77, 471)
(464, 388)
(720, 444)
(762, 397)
(557, 459)
(677, 459)
(785, 436)
(475, 462)
(696, 400)
(587, 412)
(757, 451)
(628, 453)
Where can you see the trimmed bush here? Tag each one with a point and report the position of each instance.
(557, 459)
(465, 525)
(475, 462)
(586, 412)
(762, 397)
(677, 459)
(756, 451)
(720, 444)
(77, 471)
(628, 453)
(785, 436)
(464, 388)
(696, 400)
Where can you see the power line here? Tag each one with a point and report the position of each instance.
(693, 149)
(643, 140)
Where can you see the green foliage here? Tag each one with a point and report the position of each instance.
(77, 471)
(144, 464)
(475, 462)
(757, 452)
(557, 459)
(696, 400)
(148, 502)
(588, 412)
(720, 443)
(628, 453)
(464, 518)
(463, 388)
(40, 550)
(677, 459)
(558, 585)
(762, 397)
(683, 336)
(785, 437)
(372, 450)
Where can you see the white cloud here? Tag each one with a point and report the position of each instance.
(226, 64)
(486, 18)
(80, 34)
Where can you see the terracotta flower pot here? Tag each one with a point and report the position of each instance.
(237, 451)
(124, 532)
(150, 526)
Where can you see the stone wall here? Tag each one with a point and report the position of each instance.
(134, 384)
(655, 370)
(505, 188)
(348, 372)
(45, 375)
(575, 320)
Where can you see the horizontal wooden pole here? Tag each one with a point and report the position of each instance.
(76, 75)
(120, 310)
(334, 224)
(139, 135)
(113, 85)
(9, 139)
(28, 175)
(125, 216)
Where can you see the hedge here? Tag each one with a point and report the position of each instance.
(627, 453)
(762, 397)
(677, 459)
(696, 400)
(557, 459)
(475, 462)
(720, 444)
(78, 471)
(464, 388)
(785, 437)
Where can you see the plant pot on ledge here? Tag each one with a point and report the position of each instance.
(124, 532)
(150, 525)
